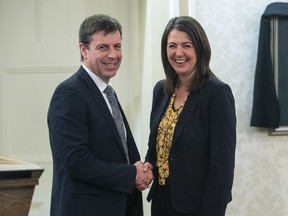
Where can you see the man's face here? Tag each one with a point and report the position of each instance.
(103, 55)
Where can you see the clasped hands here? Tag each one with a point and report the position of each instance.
(144, 175)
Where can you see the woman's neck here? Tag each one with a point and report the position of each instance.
(180, 96)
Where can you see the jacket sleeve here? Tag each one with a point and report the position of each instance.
(222, 133)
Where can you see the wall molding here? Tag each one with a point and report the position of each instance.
(34, 158)
(36, 25)
(39, 69)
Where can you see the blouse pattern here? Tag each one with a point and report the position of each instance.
(164, 139)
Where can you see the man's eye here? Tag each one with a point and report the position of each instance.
(101, 47)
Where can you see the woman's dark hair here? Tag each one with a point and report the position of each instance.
(201, 44)
(96, 23)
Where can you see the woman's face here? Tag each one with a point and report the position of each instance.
(181, 53)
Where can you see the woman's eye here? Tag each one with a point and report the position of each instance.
(188, 46)
(171, 46)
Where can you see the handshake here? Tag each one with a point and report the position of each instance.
(144, 175)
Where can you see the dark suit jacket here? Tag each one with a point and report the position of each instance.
(90, 172)
(202, 155)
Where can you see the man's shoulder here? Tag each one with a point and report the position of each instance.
(73, 78)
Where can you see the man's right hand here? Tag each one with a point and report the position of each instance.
(144, 175)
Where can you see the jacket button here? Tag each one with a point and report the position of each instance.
(172, 160)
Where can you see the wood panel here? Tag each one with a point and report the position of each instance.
(17, 183)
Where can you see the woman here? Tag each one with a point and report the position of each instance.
(192, 128)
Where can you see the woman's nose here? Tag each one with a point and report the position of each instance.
(179, 51)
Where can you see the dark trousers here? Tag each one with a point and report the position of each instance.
(162, 204)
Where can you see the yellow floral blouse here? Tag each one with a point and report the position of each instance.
(164, 139)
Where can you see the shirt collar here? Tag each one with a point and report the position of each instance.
(97, 80)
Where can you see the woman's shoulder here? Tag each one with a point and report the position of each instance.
(214, 84)
(159, 84)
(215, 88)
(159, 87)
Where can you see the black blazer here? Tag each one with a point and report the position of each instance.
(90, 172)
(202, 155)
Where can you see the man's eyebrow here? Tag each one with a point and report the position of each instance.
(102, 44)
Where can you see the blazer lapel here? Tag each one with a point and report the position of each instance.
(188, 109)
(158, 115)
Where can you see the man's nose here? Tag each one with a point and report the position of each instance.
(112, 53)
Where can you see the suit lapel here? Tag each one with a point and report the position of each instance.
(101, 103)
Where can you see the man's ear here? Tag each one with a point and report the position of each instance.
(83, 49)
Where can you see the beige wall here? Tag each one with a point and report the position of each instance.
(38, 49)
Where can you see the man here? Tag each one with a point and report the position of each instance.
(96, 168)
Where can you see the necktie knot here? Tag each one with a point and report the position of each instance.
(109, 90)
(111, 98)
